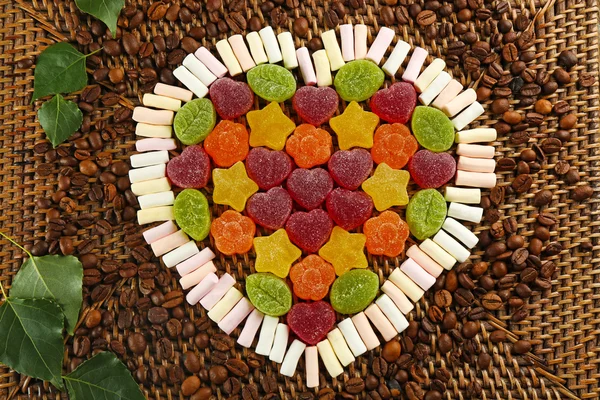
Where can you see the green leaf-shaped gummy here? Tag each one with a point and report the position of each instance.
(432, 128)
(425, 213)
(194, 121)
(192, 213)
(269, 294)
(358, 80)
(272, 82)
(354, 291)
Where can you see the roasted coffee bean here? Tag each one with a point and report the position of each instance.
(232, 386)
(221, 342)
(158, 315)
(553, 249)
(510, 53)
(546, 219)
(391, 351)
(495, 249)
(387, 14)
(173, 299)
(542, 198)
(443, 298)
(190, 385)
(426, 18)
(354, 385)
(519, 256)
(572, 177)
(521, 346)
(522, 183)
(465, 281)
(463, 297)
(136, 342)
(500, 106)
(586, 80)
(379, 367)
(581, 193)
(445, 343)
(331, 18)
(237, 367)
(507, 281)
(300, 26)
(519, 137)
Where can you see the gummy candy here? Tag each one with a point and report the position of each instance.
(194, 121)
(191, 169)
(432, 128)
(268, 168)
(386, 234)
(354, 291)
(315, 105)
(358, 80)
(355, 127)
(344, 250)
(227, 143)
(269, 294)
(192, 213)
(231, 98)
(275, 253)
(309, 187)
(396, 103)
(431, 170)
(232, 186)
(311, 321)
(349, 209)
(393, 145)
(309, 146)
(309, 230)
(312, 277)
(270, 209)
(272, 82)
(425, 213)
(350, 168)
(387, 187)
(269, 127)
(233, 233)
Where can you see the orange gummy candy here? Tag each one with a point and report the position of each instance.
(386, 234)
(312, 277)
(309, 146)
(233, 233)
(227, 143)
(394, 145)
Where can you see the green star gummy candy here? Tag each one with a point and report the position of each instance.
(192, 213)
(271, 82)
(432, 128)
(425, 213)
(194, 121)
(354, 291)
(358, 80)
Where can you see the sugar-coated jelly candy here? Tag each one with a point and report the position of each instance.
(275, 253)
(309, 146)
(358, 80)
(432, 128)
(194, 121)
(386, 234)
(268, 168)
(233, 233)
(431, 170)
(269, 294)
(350, 168)
(191, 169)
(396, 103)
(227, 143)
(387, 187)
(354, 127)
(354, 291)
(272, 82)
(311, 321)
(233, 187)
(349, 209)
(269, 127)
(344, 250)
(309, 187)
(425, 213)
(231, 98)
(309, 230)
(394, 145)
(312, 277)
(315, 105)
(270, 209)
(192, 213)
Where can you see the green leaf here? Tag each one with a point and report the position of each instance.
(194, 121)
(269, 294)
(106, 11)
(60, 118)
(57, 278)
(59, 69)
(31, 339)
(102, 377)
(272, 82)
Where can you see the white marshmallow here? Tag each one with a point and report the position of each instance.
(435, 88)
(256, 48)
(154, 131)
(156, 200)
(199, 70)
(438, 254)
(469, 115)
(334, 53)
(462, 195)
(290, 362)
(162, 102)
(147, 173)
(266, 336)
(149, 187)
(341, 349)
(226, 53)
(452, 246)
(288, 50)
(352, 337)
(476, 135)
(323, 68)
(465, 213)
(155, 214)
(190, 81)
(460, 232)
(270, 42)
(392, 312)
(180, 254)
(149, 158)
(431, 72)
(280, 342)
(396, 58)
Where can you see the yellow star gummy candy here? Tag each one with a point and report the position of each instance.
(233, 187)
(387, 187)
(269, 127)
(355, 127)
(275, 253)
(345, 250)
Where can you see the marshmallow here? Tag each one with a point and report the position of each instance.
(149, 158)
(173, 92)
(383, 325)
(334, 53)
(159, 232)
(475, 179)
(180, 254)
(434, 251)
(256, 48)
(270, 42)
(154, 131)
(162, 102)
(306, 67)
(450, 244)
(352, 337)
(476, 135)
(347, 36)
(460, 102)
(462, 195)
(431, 72)
(201, 289)
(241, 52)
(322, 67)
(290, 362)
(250, 328)
(380, 44)
(288, 50)
(282, 333)
(153, 117)
(312, 366)
(149, 187)
(393, 314)
(199, 70)
(465, 213)
(236, 315)
(341, 349)
(413, 69)
(332, 365)
(195, 277)
(434, 269)
(156, 200)
(153, 144)
(475, 150)
(404, 283)
(147, 173)
(155, 214)
(396, 58)
(476, 164)
(451, 90)
(190, 81)
(417, 274)
(368, 336)
(360, 41)
(266, 336)
(460, 232)
(220, 310)
(469, 115)
(397, 296)
(168, 243)
(195, 262)
(225, 283)
(226, 53)
(212, 63)
(435, 88)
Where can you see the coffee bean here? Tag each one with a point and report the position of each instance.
(519, 137)
(158, 315)
(355, 385)
(568, 121)
(500, 106)
(572, 176)
(190, 385)
(546, 219)
(581, 193)
(136, 342)
(521, 346)
(491, 301)
(463, 297)
(519, 256)
(444, 343)
(157, 10)
(300, 26)
(522, 183)
(586, 80)
(567, 59)
(495, 249)
(542, 198)
(331, 18)
(221, 342)
(391, 351)
(426, 18)
(388, 16)
(497, 194)
(510, 53)
(443, 298)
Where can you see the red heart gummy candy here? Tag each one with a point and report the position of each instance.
(268, 168)
(315, 105)
(191, 169)
(349, 209)
(231, 98)
(309, 230)
(350, 168)
(309, 187)
(431, 170)
(270, 209)
(396, 103)
(311, 322)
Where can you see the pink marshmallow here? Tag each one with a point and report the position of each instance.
(475, 150)
(312, 366)
(306, 67)
(416, 61)
(168, 243)
(196, 277)
(250, 328)
(225, 283)
(424, 261)
(173, 92)
(460, 102)
(475, 179)
(365, 331)
(360, 41)
(397, 296)
(236, 315)
(159, 232)
(155, 144)
(476, 164)
(212, 63)
(153, 117)
(195, 262)
(347, 35)
(451, 90)
(202, 289)
(380, 45)
(383, 325)
(417, 274)
(241, 52)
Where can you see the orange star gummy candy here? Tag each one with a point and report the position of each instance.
(309, 146)
(233, 233)
(394, 145)
(386, 234)
(227, 143)
(312, 277)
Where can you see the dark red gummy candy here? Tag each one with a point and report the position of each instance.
(309, 187)
(309, 230)
(315, 105)
(396, 103)
(270, 209)
(311, 322)
(349, 209)
(231, 98)
(268, 168)
(191, 169)
(350, 168)
(431, 170)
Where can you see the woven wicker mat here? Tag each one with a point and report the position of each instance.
(564, 325)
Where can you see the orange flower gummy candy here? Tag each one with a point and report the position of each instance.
(312, 277)
(233, 233)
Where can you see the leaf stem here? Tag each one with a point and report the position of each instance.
(16, 244)
(94, 52)
(3, 292)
